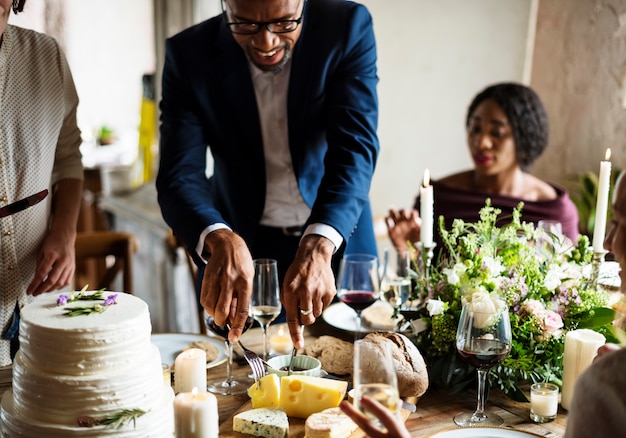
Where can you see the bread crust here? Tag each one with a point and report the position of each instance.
(409, 363)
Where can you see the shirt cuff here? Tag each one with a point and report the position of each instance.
(207, 230)
(325, 231)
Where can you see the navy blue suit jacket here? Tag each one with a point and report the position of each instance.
(208, 100)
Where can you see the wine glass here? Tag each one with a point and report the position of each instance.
(395, 287)
(551, 236)
(375, 377)
(228, 386)
(265, 296)
(358, 283)
(483, 339)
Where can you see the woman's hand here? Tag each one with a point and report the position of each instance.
(393, 426)
(403, 226)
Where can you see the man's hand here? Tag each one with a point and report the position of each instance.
(227, 281)
(309, 285)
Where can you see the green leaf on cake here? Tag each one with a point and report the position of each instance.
(114, 420)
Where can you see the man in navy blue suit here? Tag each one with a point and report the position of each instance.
(283, 94)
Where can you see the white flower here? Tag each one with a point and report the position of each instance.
(435, 307)
(553, 277)
(484, 306)
(494, 266)
(454, 274)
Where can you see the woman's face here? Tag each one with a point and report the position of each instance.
(490, 140)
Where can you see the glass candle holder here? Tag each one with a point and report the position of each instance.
(544, 402)
(167, 373)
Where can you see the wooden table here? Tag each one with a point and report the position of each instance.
(435, 410)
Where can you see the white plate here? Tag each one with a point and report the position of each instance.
(483, 432)
(171, 344)
(341, 316)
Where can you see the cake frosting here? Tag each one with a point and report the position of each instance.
(89, 366)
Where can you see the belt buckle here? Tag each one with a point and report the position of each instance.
(292, 231)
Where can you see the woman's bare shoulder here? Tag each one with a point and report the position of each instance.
(538, 189)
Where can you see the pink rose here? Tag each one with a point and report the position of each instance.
(550, 321)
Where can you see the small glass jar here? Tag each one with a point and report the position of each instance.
(544, 402)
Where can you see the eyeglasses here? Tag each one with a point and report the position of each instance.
(252, 27)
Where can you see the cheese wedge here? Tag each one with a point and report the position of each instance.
(265, 422)
(330, 423)
(267, 393)
(301, 396)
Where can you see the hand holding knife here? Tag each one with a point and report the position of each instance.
(23, 204)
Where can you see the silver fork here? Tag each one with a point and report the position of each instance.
(256, 363)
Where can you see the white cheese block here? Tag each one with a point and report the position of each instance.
(330, 423)
(263, 422)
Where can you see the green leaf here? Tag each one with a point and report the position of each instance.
(596, 317)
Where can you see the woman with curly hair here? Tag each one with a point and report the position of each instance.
(507, 130)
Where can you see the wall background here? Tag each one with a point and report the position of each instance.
(433, 58)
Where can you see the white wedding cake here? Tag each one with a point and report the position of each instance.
(75, 374)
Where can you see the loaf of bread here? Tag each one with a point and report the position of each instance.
(409, 364)
(335, 355)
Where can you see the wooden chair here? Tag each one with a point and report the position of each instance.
(101, 256)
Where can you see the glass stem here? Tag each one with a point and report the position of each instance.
(265, 349)
(229, 363)
(480, 406)
(357, 332)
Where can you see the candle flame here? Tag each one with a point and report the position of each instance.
(607, 155)
(194, 391)
(426, 178)
(281, 332)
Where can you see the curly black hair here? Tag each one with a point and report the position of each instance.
(18, 6)
(526, 114)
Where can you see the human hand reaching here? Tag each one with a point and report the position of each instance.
(403, 226)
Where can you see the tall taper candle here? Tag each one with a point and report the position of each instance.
(426, 211)
(602, 203)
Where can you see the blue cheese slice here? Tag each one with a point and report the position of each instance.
(263, 422)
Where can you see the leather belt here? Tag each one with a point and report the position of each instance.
(295, 231)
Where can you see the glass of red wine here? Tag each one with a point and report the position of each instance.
(483, 339)
(358, 283)
(228, 386)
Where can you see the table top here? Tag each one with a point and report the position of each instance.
(434, 413)
(435, 410)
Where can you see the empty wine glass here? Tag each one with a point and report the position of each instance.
(265, 296)
(550, 237)
(228, 386)
(375, 377)
(358, 283)
(483, 339)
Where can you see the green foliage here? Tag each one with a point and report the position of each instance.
(543, 279)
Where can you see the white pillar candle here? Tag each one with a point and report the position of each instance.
(602, 202)
(426, 211)
(581, 346)
(190, 371)
(196, 415)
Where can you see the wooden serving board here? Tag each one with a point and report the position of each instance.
(296, 425)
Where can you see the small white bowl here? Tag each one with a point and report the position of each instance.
(305, 365)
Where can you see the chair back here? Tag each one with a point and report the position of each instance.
(101, 256)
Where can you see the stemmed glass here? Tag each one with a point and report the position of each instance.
(483, 339)
(358, 283)
(265, 296)
(229, 386)
(375, 376)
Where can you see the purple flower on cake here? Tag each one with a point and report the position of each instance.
(111, 299)
(62, 300)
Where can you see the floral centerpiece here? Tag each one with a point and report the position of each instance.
(544, 280)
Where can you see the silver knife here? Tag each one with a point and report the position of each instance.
(23, 204)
